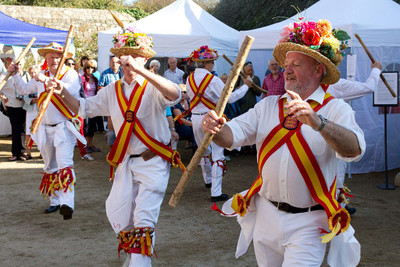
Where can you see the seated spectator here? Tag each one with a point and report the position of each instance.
(183, 125)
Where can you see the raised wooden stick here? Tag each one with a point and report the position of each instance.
(223, 100)
(20, 57)
(244, 76)
(46, 101)
(117, 20)
(373, 61)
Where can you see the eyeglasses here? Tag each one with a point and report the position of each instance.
(70, 64)
(90, 68)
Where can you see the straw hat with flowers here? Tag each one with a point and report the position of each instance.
(52, 47)
(133, 42)
(316, 39)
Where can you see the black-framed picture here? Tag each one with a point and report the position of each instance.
(382, 95)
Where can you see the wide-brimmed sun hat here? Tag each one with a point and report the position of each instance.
(204, 53)
(317, 40)
(52, 47)
(133, 42)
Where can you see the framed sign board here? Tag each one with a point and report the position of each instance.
(382, 96)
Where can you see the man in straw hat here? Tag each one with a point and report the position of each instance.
(56, 135)
(204, 90)
(136, 104)
(298, 135)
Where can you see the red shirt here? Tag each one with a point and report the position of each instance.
(276, 87)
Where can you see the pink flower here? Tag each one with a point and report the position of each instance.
(287, 30)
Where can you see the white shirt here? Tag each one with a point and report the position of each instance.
(174, 76)
(151, 112)
(348, 90)
(70, 82)
(213, 91)
(10, 92)
(282, 181)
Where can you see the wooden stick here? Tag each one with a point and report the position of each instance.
(20, 57)
(244, 76)
(117, 20)
(223, 100)
(373, 61)
(46, 101)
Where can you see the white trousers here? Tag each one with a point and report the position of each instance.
(212, 174)
(287, 239)
(58, 153)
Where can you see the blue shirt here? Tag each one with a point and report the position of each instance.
(108, 76)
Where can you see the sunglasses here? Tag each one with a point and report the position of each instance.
(70, 64)
(183, 92)
(90, 68)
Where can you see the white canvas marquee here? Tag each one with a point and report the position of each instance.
(177, 30)
(377, 24)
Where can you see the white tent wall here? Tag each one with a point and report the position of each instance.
(377, 24)
(177, 30)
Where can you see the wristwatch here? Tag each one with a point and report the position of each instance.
(323, 122)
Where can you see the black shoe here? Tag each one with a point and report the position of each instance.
(66, 211)
(222, 197)
(351, 210)
(208, 185)
(52, 209)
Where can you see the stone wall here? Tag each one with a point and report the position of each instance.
(86, 21)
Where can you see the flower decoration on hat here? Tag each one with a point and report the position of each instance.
(204, 53)
(133, 41)
(318, 36)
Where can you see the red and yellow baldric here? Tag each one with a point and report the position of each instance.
(198, 94)
(289, 132)
(132, 125)
(55, 100)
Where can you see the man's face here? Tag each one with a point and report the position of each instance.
(53, 59)
(114, 65)
(7, 61)
(273, 67)
(248, 69)
(300, 72)
(128, 72)
(172, 63)
(33, 72)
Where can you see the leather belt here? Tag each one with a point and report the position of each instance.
(199, 114)
(146, 155)
(289, 208)
(52, 125)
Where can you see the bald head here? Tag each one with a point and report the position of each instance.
(172, 62)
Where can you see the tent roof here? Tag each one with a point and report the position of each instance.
(16, 32)
(375, 21)
(182, 27)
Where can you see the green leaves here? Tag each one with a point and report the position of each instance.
(340, 34)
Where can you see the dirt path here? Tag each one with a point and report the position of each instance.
(190, 235)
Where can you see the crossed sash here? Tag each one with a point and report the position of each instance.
(131, 125)
(289, 132)
(198, 94)
(55, 100)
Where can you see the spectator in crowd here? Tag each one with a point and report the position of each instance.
(30, 106)
(110, 75)
(155, 66)
(183, 125)
(274, 82)
(189, 70)
(70, 62)
(82, 63)
(250, 98)
(173, 73)
(90, 89)
(171, 126)
(14, 102)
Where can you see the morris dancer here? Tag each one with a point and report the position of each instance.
(141, 153)
(298, 135)
(56, 136)
(204, 90)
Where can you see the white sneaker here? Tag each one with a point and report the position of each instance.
(87, 157)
